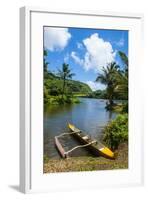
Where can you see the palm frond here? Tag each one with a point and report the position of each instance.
(124, 58)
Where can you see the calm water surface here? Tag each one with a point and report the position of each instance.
(90, 116)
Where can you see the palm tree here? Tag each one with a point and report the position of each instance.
(108, 78)
(65, 74)
(122, 77)
(124, 58)
(46, 63)
(122, 84)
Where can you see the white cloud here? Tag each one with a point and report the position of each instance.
(79, 45)
(76, 58)
(120, 43)
(95, 85)
(98, 53)
(56, 39)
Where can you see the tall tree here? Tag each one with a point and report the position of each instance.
(45, 64)
(65, 73)
(122, 77)
(122, 84)
(124, 59)
(108, 78)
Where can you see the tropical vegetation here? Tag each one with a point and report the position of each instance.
(108, 78)
(116, 132)
(116, 81)
(59, 88)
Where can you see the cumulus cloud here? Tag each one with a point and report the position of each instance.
(76, 58)
(56, 39)
(98, 53)
(95, 85)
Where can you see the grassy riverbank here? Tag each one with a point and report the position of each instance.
(89, 163)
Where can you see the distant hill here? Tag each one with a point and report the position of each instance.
(53, 85)
(78, 87)
(99, 94)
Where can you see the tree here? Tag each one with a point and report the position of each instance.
(45, 52)
(122, 85)
(124, 59)
(122, 77)
(108, 78)
(116, 131)
(65, 74)
(45, 64)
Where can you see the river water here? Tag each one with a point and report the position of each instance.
(90, 116)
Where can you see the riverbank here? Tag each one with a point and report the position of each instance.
(60, 100)
(89, 163)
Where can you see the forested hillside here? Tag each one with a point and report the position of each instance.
(53, 86)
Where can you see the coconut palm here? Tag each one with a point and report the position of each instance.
(122, 77)
(45, 62)
(108, 78)
(65, 74)
(124, 58)
(122, 84)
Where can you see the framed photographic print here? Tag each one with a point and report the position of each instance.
(80, 93)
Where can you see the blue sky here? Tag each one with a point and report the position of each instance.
(85, 50)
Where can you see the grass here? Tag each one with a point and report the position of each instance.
(88, 163)
(59, 100)
(80, 95)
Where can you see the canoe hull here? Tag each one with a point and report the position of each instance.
(97, 150)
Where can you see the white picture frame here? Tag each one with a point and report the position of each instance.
(32, 178)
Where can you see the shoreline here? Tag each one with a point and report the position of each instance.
(89, 163)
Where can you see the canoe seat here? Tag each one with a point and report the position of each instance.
(86, 137)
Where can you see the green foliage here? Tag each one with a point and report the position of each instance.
(116, 131)
(122, 78)
(45, 52)
(53, 90)
(125, 108)
(108, 78)
(124, 58)
(78, 87)
(99, 94)
(65, 74)
(59, 88)
(116, 81)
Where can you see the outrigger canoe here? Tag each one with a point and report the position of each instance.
(96, 147)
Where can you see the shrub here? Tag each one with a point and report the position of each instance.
(68, 99)
(125, 108)
(116, 131)
(76, 100)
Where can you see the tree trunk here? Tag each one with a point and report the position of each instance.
(111, 102)
(63, 87)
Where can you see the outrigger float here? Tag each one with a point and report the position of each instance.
(97, 148)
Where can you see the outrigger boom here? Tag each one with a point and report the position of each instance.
(65, 154)
(59, 146)
(95, 147)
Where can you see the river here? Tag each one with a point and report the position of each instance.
(90, 116)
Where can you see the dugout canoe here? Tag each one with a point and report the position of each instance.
(97, 148)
